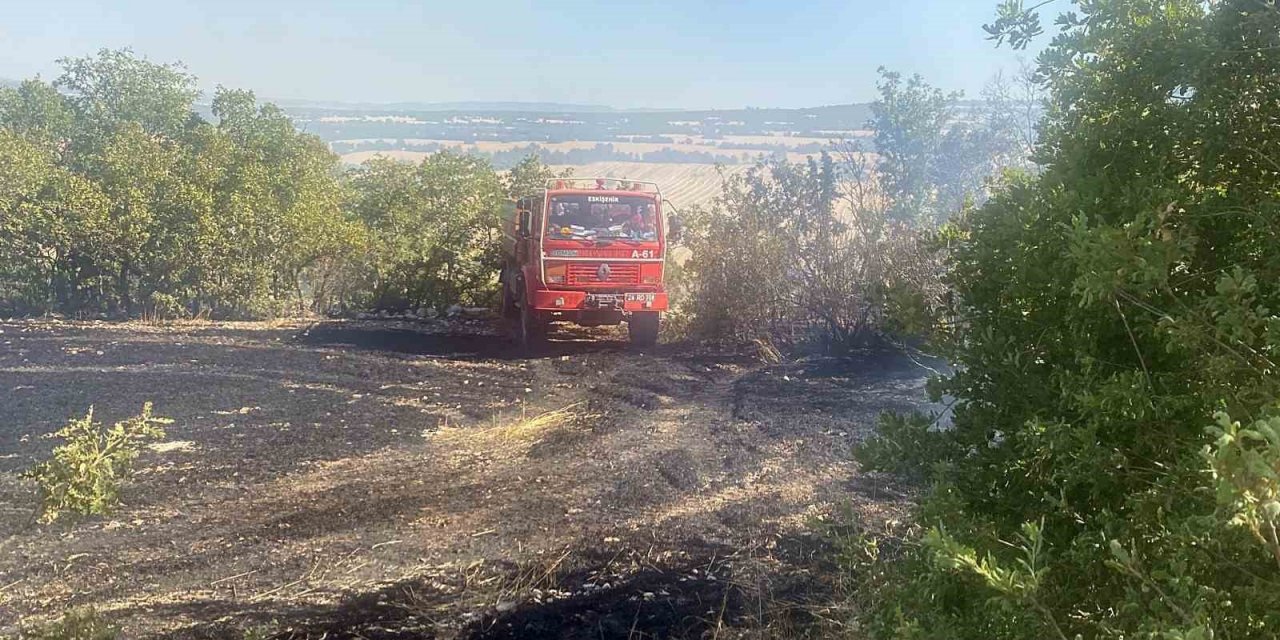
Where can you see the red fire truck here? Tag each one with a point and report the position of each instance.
(589, 251)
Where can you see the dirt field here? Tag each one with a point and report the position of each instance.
(375, 479)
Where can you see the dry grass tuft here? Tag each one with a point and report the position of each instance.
(766, 352)
(522, 433)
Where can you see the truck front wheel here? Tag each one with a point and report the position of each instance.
(532, 330)
(509, 309)
(643, 328)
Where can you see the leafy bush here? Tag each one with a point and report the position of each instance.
(432, 230)
(839, 251)
(84, 474)
(1110, 313)
(792, 253)
(1245, 463)
(904, 444)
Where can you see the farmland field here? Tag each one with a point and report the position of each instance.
(728, 156)
(686, 181)
(779, 140)
(684, 185)
(622, 146)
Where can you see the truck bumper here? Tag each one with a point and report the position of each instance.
(553, 300)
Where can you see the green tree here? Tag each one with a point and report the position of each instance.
(936, 154)
(432, 229)
(530, 176)
(909, 121)
(48, 217)
(279, 203)
(115, 88)
(1112, 310)
(36, 111)
(130, 121)
(120, 197)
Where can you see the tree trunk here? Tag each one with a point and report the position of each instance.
(122, 289)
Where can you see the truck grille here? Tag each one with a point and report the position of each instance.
(589, 273)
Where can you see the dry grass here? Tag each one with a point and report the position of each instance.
(518, 435)
(766, 352)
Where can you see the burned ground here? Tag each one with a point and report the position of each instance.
(385, 479)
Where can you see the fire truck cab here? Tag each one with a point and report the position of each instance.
(589, 251)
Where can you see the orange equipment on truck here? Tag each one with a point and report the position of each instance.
(589, 251)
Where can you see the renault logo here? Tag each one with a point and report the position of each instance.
(602, 274)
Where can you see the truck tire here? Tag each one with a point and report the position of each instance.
(531, 331)
(509, 308)
(643, 328)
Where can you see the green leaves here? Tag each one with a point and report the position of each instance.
(1245, 463)
(1017, 24)
(116, 87)
(85, 473)
(115, 196)
(909, 445)
(530, 176)
(37, 112)
(933, 158)
(433, 228)
(1112, 304)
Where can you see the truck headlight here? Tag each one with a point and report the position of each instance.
(556, 272)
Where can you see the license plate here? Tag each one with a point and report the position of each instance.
(640, 297)
(603, 299)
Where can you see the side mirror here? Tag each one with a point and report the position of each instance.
(675, 229)
(524, 223)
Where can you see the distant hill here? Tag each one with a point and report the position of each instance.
(524, 123)
(9, 82)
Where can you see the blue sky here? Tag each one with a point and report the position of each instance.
(659, 53)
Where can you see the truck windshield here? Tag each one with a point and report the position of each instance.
(602, 217)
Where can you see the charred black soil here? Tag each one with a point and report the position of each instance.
(414, 479)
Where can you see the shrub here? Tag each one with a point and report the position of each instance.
(433, 238)
(904, 444)
(1111, 312)
(800, 253)
(84, 474)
